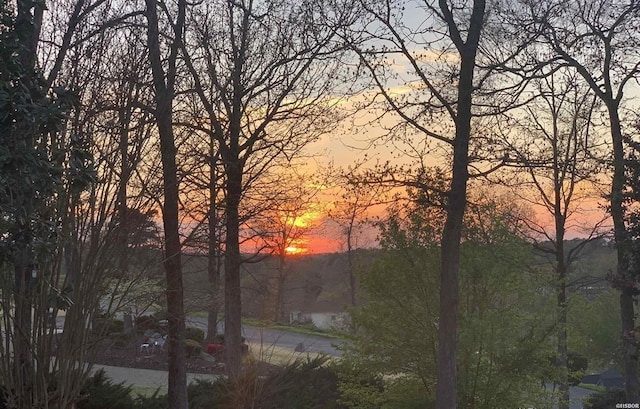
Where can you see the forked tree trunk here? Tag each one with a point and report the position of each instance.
(164, 90)
(447, 384)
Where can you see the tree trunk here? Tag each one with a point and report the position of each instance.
(561, 359)
(561, 271)
(172, 258)
(213, 268)
(279, 296)
(446, 389)
(447, 383)
(232, 263)
(627, 315)
(352, 273)
(22, 330)
(213, 262)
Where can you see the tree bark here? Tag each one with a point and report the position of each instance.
(446, 390)
(561, 359)
(280, 282)
(213, 269)
(627, 314)
(164, 90)
(232, 264)
(447, 383)
(350, 267)
(213, 262)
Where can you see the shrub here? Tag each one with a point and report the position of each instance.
(359, 387)
(207, 395)
(194, 333)
(302, 384)
(605, 400)
(99, 392)
(193, 348)
(155, 401)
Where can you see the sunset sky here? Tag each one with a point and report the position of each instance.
(360, 139)
(351, 145)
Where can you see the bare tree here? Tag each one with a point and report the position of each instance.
(261, 71)
(164, 84)
(350, 213)
(440, 52)
(600, 40)
(203, 192)
(280, 228)
(552, 139)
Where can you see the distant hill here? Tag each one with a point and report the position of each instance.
(319, 282)
(593, 262)
(314, 283)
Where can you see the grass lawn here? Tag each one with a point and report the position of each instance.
(308, 329)
(147, 391)
(277, 355)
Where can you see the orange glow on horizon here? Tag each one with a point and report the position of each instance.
(306, 220)
(296, 246)
(293, 250)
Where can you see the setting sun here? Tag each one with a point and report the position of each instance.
(297, 246)
(293, 250)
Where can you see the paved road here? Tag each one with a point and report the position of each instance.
(270, 337)
(267, 337)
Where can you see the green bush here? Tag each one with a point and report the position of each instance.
(193, 348)
(207, 395)
(359, 387)
(99, 392)
(155, 401)
(308, 384)
(194, 333)
(605, 400)
(303, 384)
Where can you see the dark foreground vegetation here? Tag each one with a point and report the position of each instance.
(312, 383)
